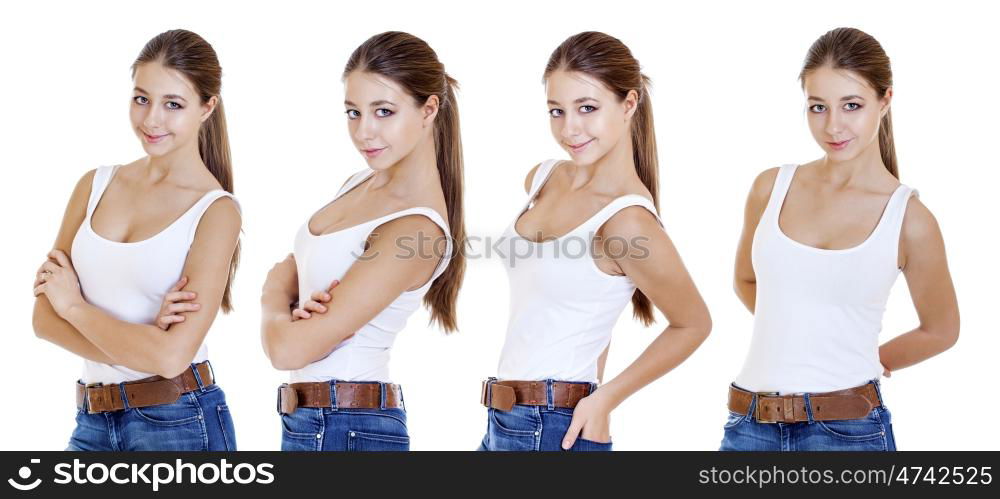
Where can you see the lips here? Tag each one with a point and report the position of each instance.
(578, 148)
(371, 153)
(153, 139)
(837, 146)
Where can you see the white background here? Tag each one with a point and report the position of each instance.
(727, 105)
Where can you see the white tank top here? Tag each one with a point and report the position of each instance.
(322, 259)
(819, 311)
(129, 280)
(562, 306)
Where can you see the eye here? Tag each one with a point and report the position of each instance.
(852, 106)
(383, 112)
(140, 100)
(817, 108)
(587, 109)
(353, 114)
(174, 105)
(555, 113)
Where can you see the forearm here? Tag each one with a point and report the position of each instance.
(915, 346)
(747, 293)
(293, 345)
(52, 328)
(141, 347)
(667, 351)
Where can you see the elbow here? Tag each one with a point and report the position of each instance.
(949, 336)
(171, 365)
(283, 357)
(40, 325)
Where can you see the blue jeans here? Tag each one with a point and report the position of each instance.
(338, 429)
(197, 421)
(533, 428)
(870, 433)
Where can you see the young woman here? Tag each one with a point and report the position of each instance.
(365, 261)
(128, 235)
(822, 244)
(581, 271)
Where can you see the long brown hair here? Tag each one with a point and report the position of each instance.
(193, 57)
(607, 59)
(860, 53)
(410, 62)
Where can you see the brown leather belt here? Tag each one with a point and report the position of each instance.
(504, 394)
(154, 390)
(349, 396)
(852, 403)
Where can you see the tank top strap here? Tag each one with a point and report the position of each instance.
(779, 190)
(199, 209)
(541, 176)
(895, 211)
(437, 219)
(616, 205)
(353, 181)
(100, 182)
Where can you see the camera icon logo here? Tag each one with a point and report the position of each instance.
(25, 473)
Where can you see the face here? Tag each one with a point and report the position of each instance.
(844, 112)
(588, 119)
(166, 111)
(386, 123)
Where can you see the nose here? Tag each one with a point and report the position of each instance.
(365, 127)
(153, 118)
(570, 128)
(834, 123)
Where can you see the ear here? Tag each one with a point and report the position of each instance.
(430, 110)
(631, 103)
(885, 102)
(209, 107)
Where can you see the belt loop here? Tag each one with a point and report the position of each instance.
(123, 395)
(197, 377)
(878, 391)
(402, 404)
(382, 387)
(211, 370)
(549, 395)
(489, 391)
(809, 411)
(752, 411)
(333, 395)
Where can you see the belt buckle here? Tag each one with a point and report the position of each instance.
(86, 396)
(756, 408)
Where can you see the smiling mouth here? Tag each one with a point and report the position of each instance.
(839, 145)
(373, 152)
(154, 138)
(580, 146)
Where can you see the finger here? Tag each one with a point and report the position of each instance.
(180, 284)
(51, 266)
(61, 258)
(334, 284)
(314, 307)
(176, 296)
(174, 308)
(166, 320)
(321, 296)
(39, 289)
(301, 314)
(575, 426)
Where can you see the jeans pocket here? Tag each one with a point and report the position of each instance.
(734, 419)
(302, 430)
(862, 434)
(584, 445)
(179, 426)
(358, 441)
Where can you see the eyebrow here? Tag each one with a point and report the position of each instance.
(845, 98)
(577, 101)
(373, 104)
(168, 96)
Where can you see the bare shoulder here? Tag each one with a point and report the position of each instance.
(530, 178)
(631, 221)
(763, 184)
(81, 193)
(919, 224)
(223, 215)
(411, 225)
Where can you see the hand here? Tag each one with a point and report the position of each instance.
(57, 279)
(886, 372)
(315, 305)
(591, 420)
(283, 279)
(173, 306)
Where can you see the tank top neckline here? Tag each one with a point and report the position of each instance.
(92, 207)
(351, 186)
(534, 194)
(785, 186)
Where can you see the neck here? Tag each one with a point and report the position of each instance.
(611, 172)
(860, 169)
(416, 169)
(182, 163)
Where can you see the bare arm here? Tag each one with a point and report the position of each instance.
(744, 279)
(148, 348)
(925, 267)
(45, 321)
(389, 261)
